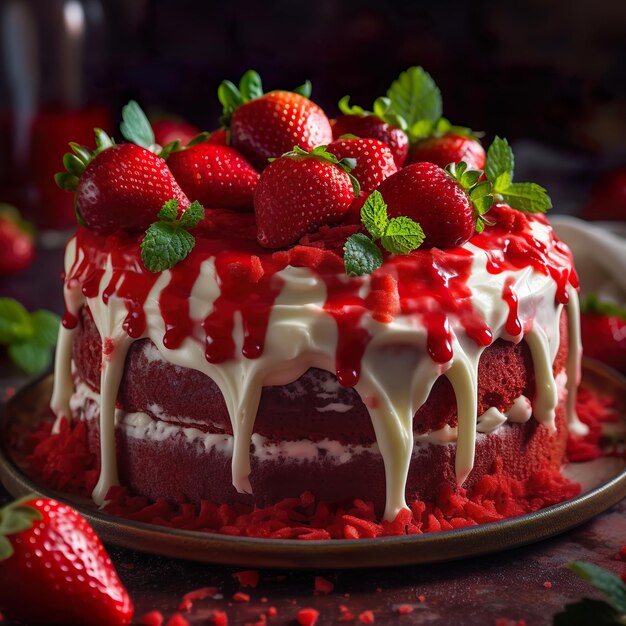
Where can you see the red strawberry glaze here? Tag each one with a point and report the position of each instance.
(513, 325)
(246, 275)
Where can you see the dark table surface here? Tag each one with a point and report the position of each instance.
(530, 583)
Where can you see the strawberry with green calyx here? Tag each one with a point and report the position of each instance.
(120, 187)
(301, 191)
(54, 569)
(29, 337)
(478, 192)
(603, 332)
(398, 235)
(266, 125)
(168, 242)
(217, 176)
(17, 246)
(373, 160)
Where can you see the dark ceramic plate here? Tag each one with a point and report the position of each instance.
(604, 484)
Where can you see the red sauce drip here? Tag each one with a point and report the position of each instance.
(513, 325)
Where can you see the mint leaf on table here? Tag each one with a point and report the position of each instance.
(612, 585)
(400, 235)
(167, 241)
(499, 165)
(588, 612)
(28, 337)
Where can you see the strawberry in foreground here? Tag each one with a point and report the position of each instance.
(54, 569)
(17, 249)
(445, 149)
(216, 176)
(603, 332)
(301, 191)
(120, 187)
(264, 126)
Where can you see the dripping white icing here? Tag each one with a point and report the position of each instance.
(302, 335)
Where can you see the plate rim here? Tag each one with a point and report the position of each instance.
(442, 546)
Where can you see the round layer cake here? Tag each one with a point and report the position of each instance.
(249, 375)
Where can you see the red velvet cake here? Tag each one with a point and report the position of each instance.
(246, 357)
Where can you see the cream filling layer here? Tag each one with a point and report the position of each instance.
(397, 372)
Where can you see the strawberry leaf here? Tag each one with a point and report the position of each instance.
(250, 86)
(167, 241)
(527, 197)
(592, 304)
(586, 612)
(414, 96)
(605, 581)
(351, 109)
(480, 193)
(374, 215)
(135, 126)
(361, 255)
(305, 89)
(16, 517)
(402, 236)
(499, 160)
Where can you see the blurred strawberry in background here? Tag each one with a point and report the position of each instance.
(608, 197)
(17, 249)
(168, 128)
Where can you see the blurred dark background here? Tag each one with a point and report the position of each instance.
(549, 76)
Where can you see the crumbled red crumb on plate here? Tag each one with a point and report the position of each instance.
(367, 617)
(247, 578)
(421, 598)
(307, 617)
(240, 596)
(219, 618)
(197, 594)
(322, 585)
(272, 611)
(404, 609)
(152, 618)
(177, 620)
(547, 584)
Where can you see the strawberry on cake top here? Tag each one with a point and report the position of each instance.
(302, 247)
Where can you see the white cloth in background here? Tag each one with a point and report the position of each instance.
(599, 250)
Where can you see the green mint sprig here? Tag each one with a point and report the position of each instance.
(167, 242)
(499, 165)
(597, 612)
(250, 87)
(480, 193)
(399, 235)
(28, 337)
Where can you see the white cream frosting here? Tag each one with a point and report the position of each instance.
(394, 381)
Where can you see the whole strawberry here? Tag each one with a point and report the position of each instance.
(374, 160)
(264, 126)
(299, 192)
(603, 332)
(120, 187)
(371, 126)
(608, 197)
(169, 129)
(445, 149)
(216, 176)
(430, 196)
(54, 569)
(17, 249)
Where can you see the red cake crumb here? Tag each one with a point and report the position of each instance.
(322, 585)
(241, 597)
(197, 594)
(405, 609)
(152, 618)
(247, 578)
(503, 621)
(219, 618)
(547, 584)
(421, 598)
(272, 611)
(307, 617)
(177, 620)
(367, 617)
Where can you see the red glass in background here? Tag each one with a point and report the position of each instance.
(49, 52)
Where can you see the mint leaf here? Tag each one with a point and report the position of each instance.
(502, 182)
(499, 159)
(45, 326)
(361, 255)
(605, 581)
(14, 321)
(250, 86)
(30, 355)
(167, 241)
(402, 236)
(374, 215)
(586, 612)
(527, 197)
(414, 96)
(135, 126)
